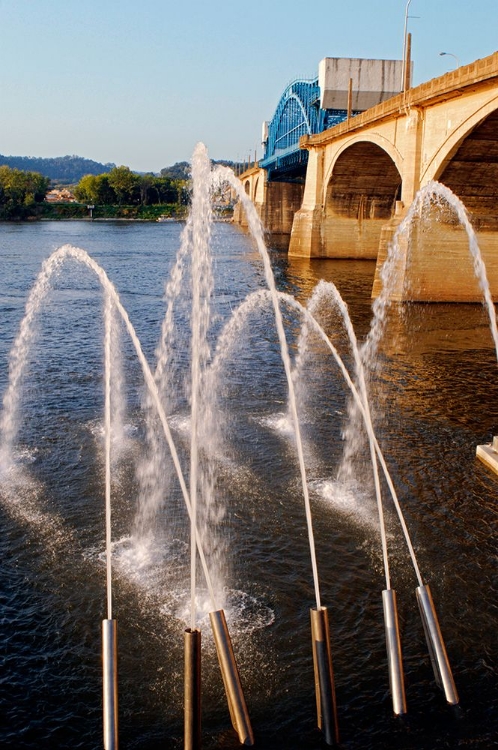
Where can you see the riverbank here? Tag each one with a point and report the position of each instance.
(64, 211)
(81, 212)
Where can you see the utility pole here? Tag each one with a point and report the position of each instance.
(407, 81)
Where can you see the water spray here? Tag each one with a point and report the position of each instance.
(437, 650)
(109, 626)
(433, 189)
(197, 236)
(19, 358)
(327, 714)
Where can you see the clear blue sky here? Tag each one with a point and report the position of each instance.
(140, 83)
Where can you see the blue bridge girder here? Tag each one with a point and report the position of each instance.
(298, 113)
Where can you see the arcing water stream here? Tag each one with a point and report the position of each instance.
(208, 450)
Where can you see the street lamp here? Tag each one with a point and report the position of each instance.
(406, 74)
(403, 76)
(452, 55)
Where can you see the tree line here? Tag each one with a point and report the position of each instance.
(122, 187)
(21, 192)
(118, 192)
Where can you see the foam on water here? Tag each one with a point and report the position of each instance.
(244, 613)
(280, 423)
(348, 499)
(181, 424)
(121, 443)
(22, 495)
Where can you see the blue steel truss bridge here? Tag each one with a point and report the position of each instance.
(298, 113)
(309, 107)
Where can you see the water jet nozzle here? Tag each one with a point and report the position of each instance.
(435, 643)
(231, 680)
(110, 683)
(394, 656)
(326, 707)
(192, 689)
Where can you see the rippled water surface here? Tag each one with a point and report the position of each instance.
(435, 399)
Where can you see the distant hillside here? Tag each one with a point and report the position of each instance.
(68, 170)
(181, 170)
(60, 169)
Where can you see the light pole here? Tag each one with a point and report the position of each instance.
(451, 55)
(403, 76)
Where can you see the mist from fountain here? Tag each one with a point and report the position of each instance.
(162, 402)
(434, 194)
(19, 357)
(256, 229)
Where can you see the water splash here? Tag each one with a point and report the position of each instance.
(361, 402)
(434, 193)
(256, 228)
(392, 275)
(19, 358)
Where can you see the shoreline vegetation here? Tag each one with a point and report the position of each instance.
(117, 194)
(72, 211)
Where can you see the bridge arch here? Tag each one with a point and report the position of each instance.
(383, 143)
(291, 122)
(467, 163)
(364, 181)
(361, 191)
(298, 113)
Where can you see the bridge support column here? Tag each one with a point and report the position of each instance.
(239, 216)
(436, 265)
(306, 235)
(282, 201)
(413, 155)
(253, 180)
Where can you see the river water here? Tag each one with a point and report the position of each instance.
(434, 400)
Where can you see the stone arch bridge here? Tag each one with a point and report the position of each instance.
(363, 174)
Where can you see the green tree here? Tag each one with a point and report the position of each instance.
(168, 189)
(122, 187)
(105, 193)
(125, 185)
(95, 189)
(20, 192)
(148, 190)
(86, 189)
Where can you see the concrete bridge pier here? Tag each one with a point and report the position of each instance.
(434, 261)
(253, 181)
(282, 201)
(276, 204)
(347, 201)
(306, 234)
